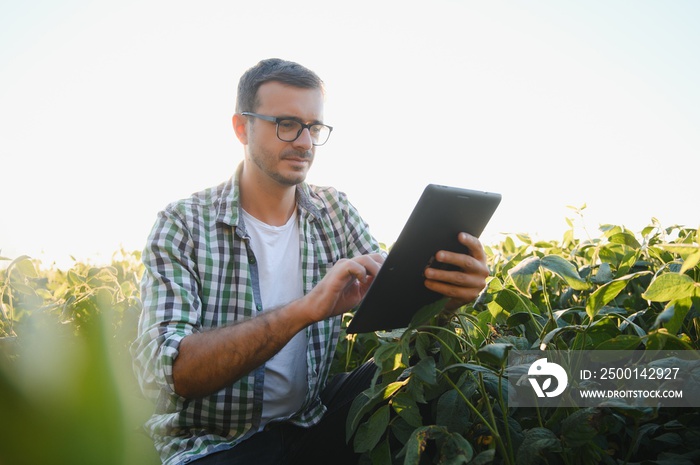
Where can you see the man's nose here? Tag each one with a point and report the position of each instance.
(304, 140)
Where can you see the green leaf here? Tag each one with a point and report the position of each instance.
(426, 371)
(406, 407)
(627, 262)
(423, 345)
(74, 278)
(23, 289)
(388, 357)
(44, 293)
(494, 354)
(524, 238)
(628, 322)
(511, 302)
(670, 439)
(604, 294)
(381, 454)
(670, 286)
(517, 319)
(536, 443)
(549, 337)
(690, 262)
(455, 450)
(426, 313)
(400, 430)
(565, 270)
(673, 315)
(416, 390)
(621, 342)
(418, 441)
(392, 388)
(370, 432)
(452, 412)
(486, 457)
(625, 238)
(603, 275)
(523, 273)
(477, 329)
(661, 339)
(25, 265)
(610, 229)
(683, 250)
(366, 401)
(577, 429)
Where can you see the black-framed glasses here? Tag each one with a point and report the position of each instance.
(289, 129)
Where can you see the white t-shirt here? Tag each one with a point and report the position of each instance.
(278, 256)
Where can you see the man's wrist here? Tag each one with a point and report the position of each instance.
(306, 309)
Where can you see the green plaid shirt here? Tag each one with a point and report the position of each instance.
(200, 273)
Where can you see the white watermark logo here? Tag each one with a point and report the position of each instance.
(541, 369)
(592, 378)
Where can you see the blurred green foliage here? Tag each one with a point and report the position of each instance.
(67, 392)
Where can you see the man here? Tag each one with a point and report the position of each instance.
(243, 290)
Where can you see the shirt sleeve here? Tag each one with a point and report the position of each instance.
(171, 308)
(357, 231)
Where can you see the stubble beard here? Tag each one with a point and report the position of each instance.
(262, 162)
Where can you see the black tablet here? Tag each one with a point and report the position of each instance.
(398, 292)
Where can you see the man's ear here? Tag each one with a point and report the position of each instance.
(240, 127)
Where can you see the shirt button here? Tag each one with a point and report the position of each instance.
(251, 260)
(258, 307)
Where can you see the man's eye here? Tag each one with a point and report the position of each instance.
(288, 124)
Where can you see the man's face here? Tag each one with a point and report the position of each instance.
(287, 163)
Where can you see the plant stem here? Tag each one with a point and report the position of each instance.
(457, 357)
(493, 429)
(550, 312)
(465, 342)
(507, 454)
(504, 411)
(634, 439)
(466, 330)
(546, 296)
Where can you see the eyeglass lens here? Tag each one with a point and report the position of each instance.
(288, 130)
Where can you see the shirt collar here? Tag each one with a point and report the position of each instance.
(229, 208)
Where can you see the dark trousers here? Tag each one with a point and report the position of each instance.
(323, 443)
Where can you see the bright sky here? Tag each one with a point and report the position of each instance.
(109, 111)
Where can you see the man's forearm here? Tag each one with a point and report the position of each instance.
(212, 360)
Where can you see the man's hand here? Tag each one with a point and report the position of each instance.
(344, 285)
(464, 285)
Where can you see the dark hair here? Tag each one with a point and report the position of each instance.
(273, 69)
